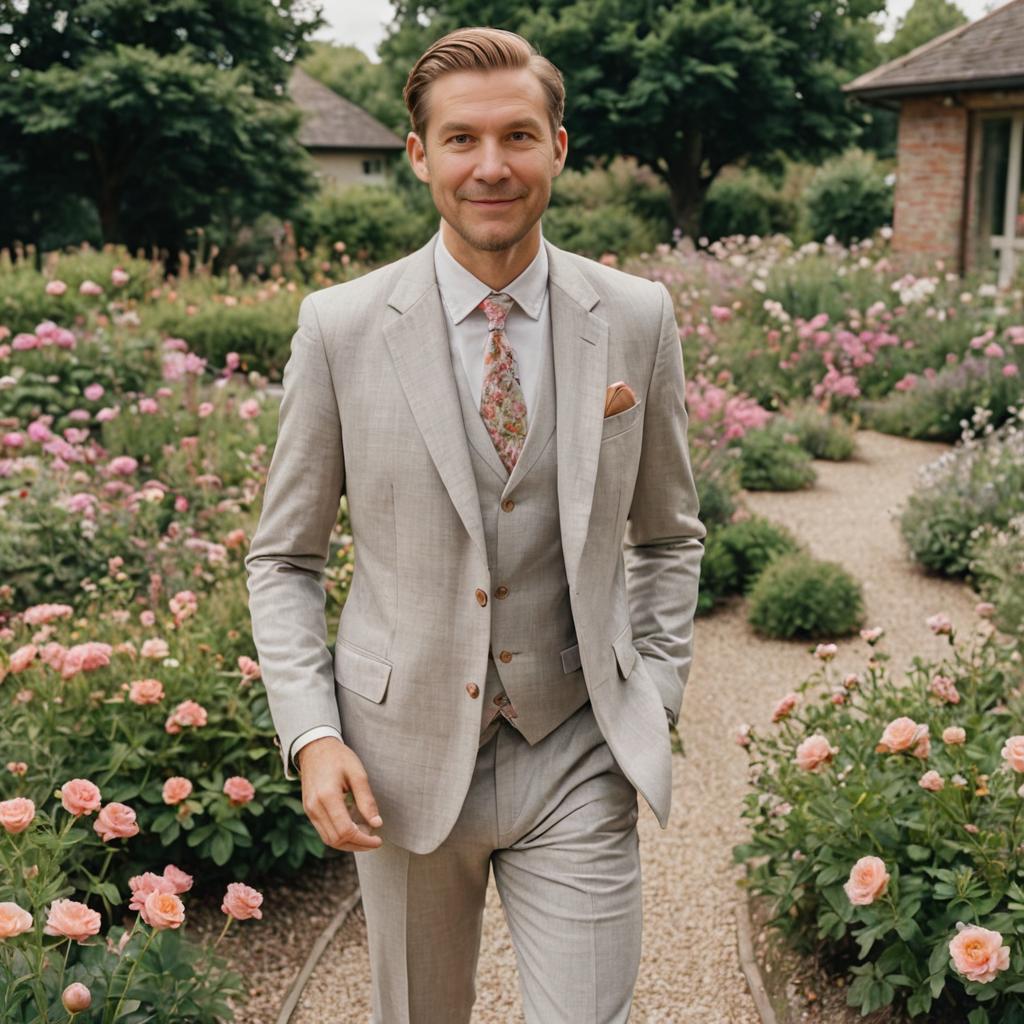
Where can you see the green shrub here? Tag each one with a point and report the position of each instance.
(714, 472)
(800, 597)
(949, 853)
(997, 572)
(978, 484)
(719, 574)
(848, 198)
(754, 544)
(745, 203)
(822, 435)
(768, 462)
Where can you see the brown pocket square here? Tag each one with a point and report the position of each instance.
(618, 398)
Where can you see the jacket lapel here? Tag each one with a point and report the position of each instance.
(418, 341)
(580, 340)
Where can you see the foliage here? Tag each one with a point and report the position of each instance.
(923, 22)
(800, 597)
(822, 435)
(849, 198)
(996, 568)
(864, 766)
(978, 484)
(746, 203)
(769, 461)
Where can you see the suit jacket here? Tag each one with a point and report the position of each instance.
(371, 411)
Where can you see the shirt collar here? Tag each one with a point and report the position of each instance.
(462, 292)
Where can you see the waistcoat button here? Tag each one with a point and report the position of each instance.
(472, 689)
(501, 592)
(506, 656)
(508, 504)
(481, 597)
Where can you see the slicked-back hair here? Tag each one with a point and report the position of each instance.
(480, 49)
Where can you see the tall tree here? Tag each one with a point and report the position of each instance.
(925, 20)
(685, 86)
(163, 114)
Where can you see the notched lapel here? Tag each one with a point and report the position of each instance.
(418, 342)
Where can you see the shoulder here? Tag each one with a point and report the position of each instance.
(351, 298)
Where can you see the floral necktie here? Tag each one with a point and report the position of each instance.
(502, 406)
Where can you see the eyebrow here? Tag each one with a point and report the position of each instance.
(450, 127)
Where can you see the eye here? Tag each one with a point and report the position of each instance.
(459, 139)
(520, 136)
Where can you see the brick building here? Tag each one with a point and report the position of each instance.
(959, 183)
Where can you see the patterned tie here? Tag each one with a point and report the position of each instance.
(502, 406)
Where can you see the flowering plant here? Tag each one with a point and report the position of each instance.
(886, 826)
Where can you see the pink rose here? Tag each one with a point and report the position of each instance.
(56, 287)
(1013, 753)
(873, 635)
(953, 735)
(13, 920)
(144, 884)
(16, 815)
(826, 652)
(932, 781)
(978, 953)
(84, 658)
(742, 735)
(146, 691)
(868, 880)
(248, 667)
(899, 735)
(80, 796)
(72, 920)
(154, 647)
(985, 609)
(176, 789)
(940, 624)
(189, 713)
(180, 880)
(116, 821)
(23, 657)
(76, 997)
(163, 910)
(239, 790)
(242, 902)
(814, 752)
(785, 706)
(945, 689)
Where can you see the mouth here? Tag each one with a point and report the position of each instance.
(492, 203)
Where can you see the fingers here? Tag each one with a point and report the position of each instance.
(364, 798)
(336, 827)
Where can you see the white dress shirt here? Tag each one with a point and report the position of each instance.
(527, 329)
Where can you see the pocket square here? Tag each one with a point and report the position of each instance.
(618, 398)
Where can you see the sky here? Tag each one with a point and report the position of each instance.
(361, 22)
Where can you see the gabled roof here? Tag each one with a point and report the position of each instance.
(332, 122)
(983, 54)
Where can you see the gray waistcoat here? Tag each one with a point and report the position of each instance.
(533, 638)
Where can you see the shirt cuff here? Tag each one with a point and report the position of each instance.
(307, 737)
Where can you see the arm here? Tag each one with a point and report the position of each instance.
(289, 548)
(663, 544)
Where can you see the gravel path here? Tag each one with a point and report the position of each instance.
(690, 970)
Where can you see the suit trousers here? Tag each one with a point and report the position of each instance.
(557, 823)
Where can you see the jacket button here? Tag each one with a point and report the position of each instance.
(481, 597)
(507, 505)
(506, 656)
(501, 592)
(472, 689)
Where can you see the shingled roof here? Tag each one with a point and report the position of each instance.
(983, 54)
(332, 122)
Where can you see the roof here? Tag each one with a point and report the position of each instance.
(332, 122)
(983, 54)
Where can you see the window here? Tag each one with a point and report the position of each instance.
(373, 166)
(999, 216)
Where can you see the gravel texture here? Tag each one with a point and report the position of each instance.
(690, 971)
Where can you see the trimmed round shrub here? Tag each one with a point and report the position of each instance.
(754, 544)
(848, 198)
(746, 204)
(820, 434)
(799, 597)
(770, 463)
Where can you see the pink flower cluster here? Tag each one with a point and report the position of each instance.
(732, 414)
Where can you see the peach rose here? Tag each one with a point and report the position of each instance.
(1013, 753)
(932, 781)
(249, 668)
(814, 752)
(144, 884)
(978, 953)
(868, 880)
(826, 652)
(239, 790)
(189, 713)
(23, 657)
(945, 689)
(116, 821)
(80, 796)
(85, 658)
(163, 910)
(899, 735)
(785, 706)
(241, 902)
(13, 920)
(76, 997)
(154, 648)
(72, 920)
(181, 881)
(953, 735)
(16, 814)
(146, 691)
(940, 624)
(176, 789)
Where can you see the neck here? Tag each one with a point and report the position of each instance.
(495, 269)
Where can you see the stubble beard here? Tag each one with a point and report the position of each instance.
(491, 244)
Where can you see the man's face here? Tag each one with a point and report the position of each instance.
(488, 156)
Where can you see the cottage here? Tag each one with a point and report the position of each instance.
(959, 188)
(348, 145)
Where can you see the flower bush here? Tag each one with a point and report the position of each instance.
(886, 826)
(771, 460)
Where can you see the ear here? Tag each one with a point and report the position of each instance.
(417, 155)
(561, 149)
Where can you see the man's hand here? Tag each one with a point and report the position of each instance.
(330, 769)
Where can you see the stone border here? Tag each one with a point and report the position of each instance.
(748, 961)
(298, 985)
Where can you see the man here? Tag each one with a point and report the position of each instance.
(501, 415)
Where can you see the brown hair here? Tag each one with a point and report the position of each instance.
(480, 49)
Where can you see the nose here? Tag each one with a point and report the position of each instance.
(492, 166)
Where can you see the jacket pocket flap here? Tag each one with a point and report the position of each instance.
(625, 652)
(360, 671)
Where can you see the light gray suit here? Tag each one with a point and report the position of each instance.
(372, 409)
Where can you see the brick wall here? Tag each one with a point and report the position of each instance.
(930, 180)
